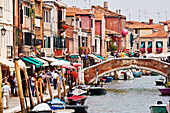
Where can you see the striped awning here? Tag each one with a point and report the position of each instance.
(33, 61)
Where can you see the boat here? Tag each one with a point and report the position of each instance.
(83, 87)
(137, 74)
(165, 91)
(97, 91)
(64, 111)
(74, 100)
(41, 108)
(158, 108)
(154, 73)
(160, 82)
(78, 108)
(79, 92)
(108, 79)
(56, 104)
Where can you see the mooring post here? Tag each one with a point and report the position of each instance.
(49, 89)
(19, 82)
(41, 95)
(96, 77)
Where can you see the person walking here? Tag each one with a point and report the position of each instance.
(55, 79)
(6, 90)
(33, 85)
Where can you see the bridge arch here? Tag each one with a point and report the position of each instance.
(125, 63)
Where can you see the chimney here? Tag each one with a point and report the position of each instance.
(106, 4)
(119, 11)
(165, 26)
(116, 11)
(150, 21)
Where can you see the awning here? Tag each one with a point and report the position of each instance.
(68, 67)
(94, 57)
(45, 63)
(149, 45)
(56, 62)
(8, 63)
(102, 58)
(62, 59)
(77, 64)
(33, 61)
(142, 46)
(74, 56)
(159, 45)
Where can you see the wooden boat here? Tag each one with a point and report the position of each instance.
(74, 100)
(78, 108)
(158, 108)
(165, 91)
(97, 91)
(56, 104)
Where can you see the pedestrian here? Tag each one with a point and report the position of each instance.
(16, 86)
(122, 54)
(6, 90)
(125, 76)
(33, 85)
(55, 79)
(12, 85)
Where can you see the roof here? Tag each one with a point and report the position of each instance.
(111, 32)
(159, 34)
(71, 11)
(106, 12)
(58, 3)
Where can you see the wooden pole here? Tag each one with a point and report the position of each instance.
(36, 91)
(64, 85)
(28, 88)
(49, 88)
(41, 95)
(1, 102)
(19, 82)
(26, 77)
(58, 87)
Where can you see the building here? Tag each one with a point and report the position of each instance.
(6, 39)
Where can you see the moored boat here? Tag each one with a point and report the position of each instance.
(74, 100)
(158, 108)
(41, 108)
(78, 108)
(160, 82)
(165, 91)
(56, 104)
(97, 91)
(108, 79)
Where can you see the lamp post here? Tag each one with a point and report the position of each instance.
(3, 32)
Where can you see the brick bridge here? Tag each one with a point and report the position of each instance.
(125, 63)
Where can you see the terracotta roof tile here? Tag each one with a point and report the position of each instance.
(159, 34)
(106, 12)
(75, 10)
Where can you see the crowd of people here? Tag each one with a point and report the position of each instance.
(51, 75)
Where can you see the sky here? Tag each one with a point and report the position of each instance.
(149, 9)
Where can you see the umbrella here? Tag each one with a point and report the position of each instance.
(68, 67)
(76, 64)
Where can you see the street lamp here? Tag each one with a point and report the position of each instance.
(3, 31)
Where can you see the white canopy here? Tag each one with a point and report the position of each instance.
(56, 62)
(94, 57)
(8, 63)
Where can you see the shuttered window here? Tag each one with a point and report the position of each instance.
(47, 44)
(28, 39)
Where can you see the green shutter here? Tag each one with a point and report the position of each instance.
(30, 12)
(33, 13)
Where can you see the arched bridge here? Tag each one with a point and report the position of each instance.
(125, 63)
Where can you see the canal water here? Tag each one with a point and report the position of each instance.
(131, 96)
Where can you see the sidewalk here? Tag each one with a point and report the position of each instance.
(14, 102)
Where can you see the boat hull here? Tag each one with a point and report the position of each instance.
(165, 91)
(97, 91)
(78, 108)
(159, 82)
(158, 109)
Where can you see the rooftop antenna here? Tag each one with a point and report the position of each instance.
(158, 16)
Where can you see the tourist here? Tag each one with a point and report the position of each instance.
(16, 86)
(45, 80)
(55, 79)
(12, 85)
(6, 90)
(33, 85)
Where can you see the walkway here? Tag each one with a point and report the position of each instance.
(14, 102)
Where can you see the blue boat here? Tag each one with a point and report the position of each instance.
(108, 79)
(56, 104)
(137, 74)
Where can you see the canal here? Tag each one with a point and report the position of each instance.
(131, 96)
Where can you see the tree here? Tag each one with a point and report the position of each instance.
(112, 46)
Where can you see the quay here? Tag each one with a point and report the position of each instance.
(14, 102)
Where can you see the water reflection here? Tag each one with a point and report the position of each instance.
(131, 96)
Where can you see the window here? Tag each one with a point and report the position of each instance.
(159, 44)
(9, 51)
(137, 45)
(28, 39)
(49, 17)
(91, 23)
(25, 10)
(136, 31)
(46, 16)
(95, 45)
(169, 41)
(83, 41)
(142, 45)
(1, 11)
(149, 44)
(79, 41)
(80, 24)
(47, 45)
(59, 18)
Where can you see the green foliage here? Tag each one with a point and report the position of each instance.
(112, 46)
